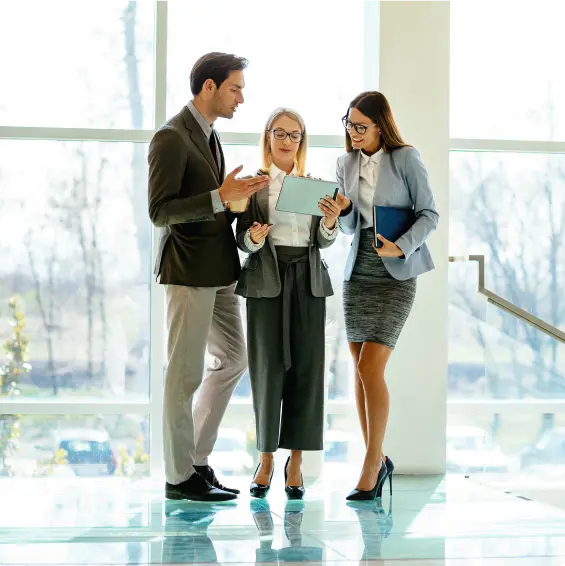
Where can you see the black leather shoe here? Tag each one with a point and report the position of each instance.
(294, 491)
(258, 489)
(208, 474)
(364, 495)
(196, 488)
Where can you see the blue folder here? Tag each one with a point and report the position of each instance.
(391, 222)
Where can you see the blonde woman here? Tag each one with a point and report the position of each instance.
(285, 282)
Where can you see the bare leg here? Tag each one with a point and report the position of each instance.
(263, 475)
(294, 470)
(371, 368)
(355, 349)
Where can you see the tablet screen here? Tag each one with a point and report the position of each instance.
(301, 195)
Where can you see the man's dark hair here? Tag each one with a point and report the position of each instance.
(215, 66)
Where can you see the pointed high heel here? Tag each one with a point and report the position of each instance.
(380, 489)
(258, 489)
(364, 495)
(389, 472)
(293, 492)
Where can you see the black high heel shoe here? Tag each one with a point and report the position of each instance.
(293, 492)
(389, 472)
(258, 489)
(364, 495)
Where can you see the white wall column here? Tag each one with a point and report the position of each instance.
(414, 76)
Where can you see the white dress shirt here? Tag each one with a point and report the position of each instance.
(368, 177)
(289, 229)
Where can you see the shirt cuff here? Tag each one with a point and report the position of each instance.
(327, 233)
(250, 244)
(217, 204)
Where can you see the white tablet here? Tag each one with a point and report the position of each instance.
(301, 195)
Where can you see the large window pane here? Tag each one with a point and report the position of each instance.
(495, 355)
(316, 69)
(77, 64)
(511, 209)
(73, 446)
(505, 77)
(520, 450)
(75, 242)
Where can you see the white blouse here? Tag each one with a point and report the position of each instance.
(289, 229)
(368, 177)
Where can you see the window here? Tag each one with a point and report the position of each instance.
(76, 246)
(78, 298)
(511, 207)
(505, 82)
(74, 445)
(506, 378)
(77, 65)
(284, 54)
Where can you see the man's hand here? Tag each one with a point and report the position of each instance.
(258, 232)
(388, 249)
(331, 211)
(238, 189)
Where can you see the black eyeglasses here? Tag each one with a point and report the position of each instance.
(361, 129)
(281, 134)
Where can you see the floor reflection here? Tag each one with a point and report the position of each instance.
(445, 519)
(376, 525)
(186, 533)
(296, 550)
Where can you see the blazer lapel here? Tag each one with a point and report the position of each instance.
(263, 203)
(352, 175)
(200, 141)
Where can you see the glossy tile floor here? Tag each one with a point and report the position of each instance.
(433, 521)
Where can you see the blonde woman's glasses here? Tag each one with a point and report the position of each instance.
(281, 134)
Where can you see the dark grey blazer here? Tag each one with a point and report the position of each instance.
(197, 247)
(260, 274)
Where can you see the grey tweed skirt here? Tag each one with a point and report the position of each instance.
(376, 305)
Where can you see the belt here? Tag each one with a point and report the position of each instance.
(288, 284)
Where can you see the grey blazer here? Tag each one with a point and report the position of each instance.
(260, 274)
(403, 182)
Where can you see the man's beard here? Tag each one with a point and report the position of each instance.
(222, 112)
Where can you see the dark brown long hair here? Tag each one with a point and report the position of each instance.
(376, 107)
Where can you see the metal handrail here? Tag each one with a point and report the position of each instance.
(507, 306)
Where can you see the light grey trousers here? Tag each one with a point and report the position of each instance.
(199, 318)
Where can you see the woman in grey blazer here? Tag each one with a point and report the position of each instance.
(379, 169)
(285, 281)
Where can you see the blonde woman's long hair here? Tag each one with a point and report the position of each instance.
(265, 143)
